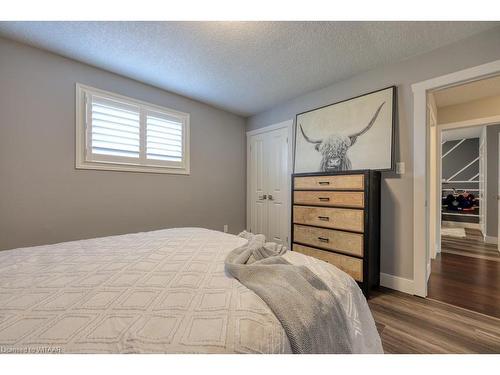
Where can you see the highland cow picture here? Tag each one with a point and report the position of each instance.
(354, 134)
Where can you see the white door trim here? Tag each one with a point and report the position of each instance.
(484, 121)
(268, 128)
(421, 162)
(284, 124)
(498, 195)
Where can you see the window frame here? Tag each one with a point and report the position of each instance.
(85, 159)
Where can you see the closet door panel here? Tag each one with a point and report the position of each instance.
(258, 177)
(277, 188)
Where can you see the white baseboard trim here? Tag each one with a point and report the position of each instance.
(491, 239)
(397, 283)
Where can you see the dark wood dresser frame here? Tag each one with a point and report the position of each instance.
(371, 233)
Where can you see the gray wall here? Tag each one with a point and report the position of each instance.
(44, 199)
(397, 191)
(492, 179)
(461, 156)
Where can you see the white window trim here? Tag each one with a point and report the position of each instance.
(118, 165)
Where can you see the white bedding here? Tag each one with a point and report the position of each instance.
(163, 291)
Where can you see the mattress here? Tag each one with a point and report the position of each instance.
(164, 291)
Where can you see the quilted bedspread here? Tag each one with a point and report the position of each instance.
(156, 292)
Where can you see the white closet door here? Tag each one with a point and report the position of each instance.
(277, 184)
(269, 184)
(258, 176)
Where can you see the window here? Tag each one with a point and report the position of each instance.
(119, 133)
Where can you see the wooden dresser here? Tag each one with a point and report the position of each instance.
(336, 218)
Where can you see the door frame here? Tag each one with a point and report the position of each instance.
(421, 167)
(498, 195)
(482, 122)
(288, 124)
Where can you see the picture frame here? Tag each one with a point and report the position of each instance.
(330, 139)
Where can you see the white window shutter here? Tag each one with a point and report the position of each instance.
(119, 133)
(115, 128)
(163, 138)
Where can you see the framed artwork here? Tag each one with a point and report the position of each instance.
(354, 134)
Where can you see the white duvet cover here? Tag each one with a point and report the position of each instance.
(156, 292)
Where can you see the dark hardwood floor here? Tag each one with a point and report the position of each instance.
(473, 245)
(462, 311)
(472, 281)
(409, 324)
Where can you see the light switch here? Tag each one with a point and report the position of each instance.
(400, 167)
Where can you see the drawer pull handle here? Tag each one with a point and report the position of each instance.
(323, 239)
(324, 182)
(324, 218)
(324, 199)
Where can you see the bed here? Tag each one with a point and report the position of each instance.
(163, 291)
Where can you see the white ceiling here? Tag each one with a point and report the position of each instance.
(462, 133)
(243, 67)
(468, 92)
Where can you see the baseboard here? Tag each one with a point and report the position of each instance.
(397, 283)
(491, 239)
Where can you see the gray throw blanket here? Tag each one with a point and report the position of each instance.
(307, 309)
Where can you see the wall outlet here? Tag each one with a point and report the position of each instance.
(400, 167)
(226, 228)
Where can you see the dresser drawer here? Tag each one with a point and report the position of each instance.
(329, 217)
(330, 198)
(345, 182)
(350, 265)
(344, 242)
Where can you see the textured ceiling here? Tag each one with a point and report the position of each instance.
(476, 90)
(243, 67)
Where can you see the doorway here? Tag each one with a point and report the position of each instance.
(268, 181)
(421, 169)
(465, 266)
(462, 198)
